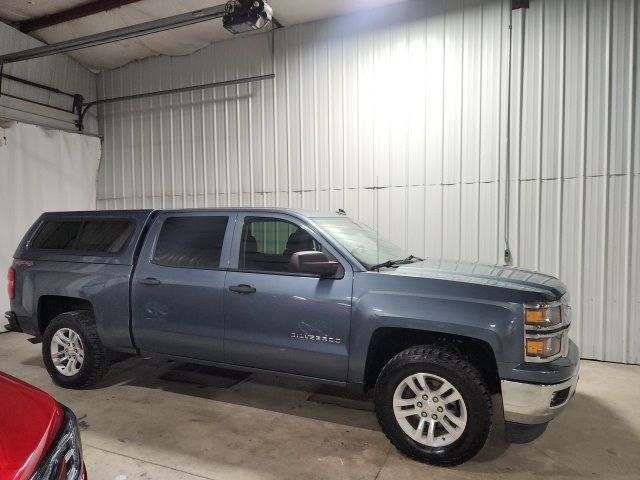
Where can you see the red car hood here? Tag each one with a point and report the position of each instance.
(29, 422)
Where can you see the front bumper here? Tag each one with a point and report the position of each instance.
(534, 404)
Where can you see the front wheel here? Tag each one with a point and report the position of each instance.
(72, 351)
(433, 405)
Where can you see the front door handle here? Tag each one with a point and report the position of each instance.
(150, 281)
(242, 288)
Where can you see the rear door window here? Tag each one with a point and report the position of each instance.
(84, 237)
(191, 242)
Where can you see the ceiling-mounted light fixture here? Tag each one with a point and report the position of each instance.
(246, 15)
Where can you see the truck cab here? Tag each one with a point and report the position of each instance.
(307, 294)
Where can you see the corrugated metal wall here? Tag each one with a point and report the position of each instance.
(400, 117)
(58, 71)
(575, 170)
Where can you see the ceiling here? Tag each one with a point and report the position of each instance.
(179, 41)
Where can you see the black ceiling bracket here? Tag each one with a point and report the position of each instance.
(517, 4)
(78, 100)
(82, 111)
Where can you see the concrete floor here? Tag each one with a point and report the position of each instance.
(163, 420)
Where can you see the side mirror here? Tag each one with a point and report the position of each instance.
(316, 263)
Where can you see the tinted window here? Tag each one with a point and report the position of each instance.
(191, 242)
(96, 236)
(57, 235)
(107, 237)
(268, 243)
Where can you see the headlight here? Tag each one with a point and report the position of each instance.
(546, 330)
(64, 459)
(544, 347)
(543, 316)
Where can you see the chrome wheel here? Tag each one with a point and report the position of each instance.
(429, 409)
(67, 352)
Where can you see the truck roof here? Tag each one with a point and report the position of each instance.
(301, 212)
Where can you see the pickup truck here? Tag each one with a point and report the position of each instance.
(301, 293)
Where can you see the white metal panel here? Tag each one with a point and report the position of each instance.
(399, 117)
(42, 170)
(631, 336)
(574, 144)
(57, 71)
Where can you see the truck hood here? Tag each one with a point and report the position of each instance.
(29, 422)
(483, 274)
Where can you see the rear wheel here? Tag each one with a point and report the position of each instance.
(433, 405)
(72, 351)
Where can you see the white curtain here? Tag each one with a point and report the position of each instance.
(41, 170)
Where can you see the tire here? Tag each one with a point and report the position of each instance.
(460, 426)
(87, 369)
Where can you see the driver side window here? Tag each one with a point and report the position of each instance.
(267, 244)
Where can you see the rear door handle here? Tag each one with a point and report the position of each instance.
(150, 281)
(242, 288)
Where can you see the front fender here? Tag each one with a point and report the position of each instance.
(497, 323)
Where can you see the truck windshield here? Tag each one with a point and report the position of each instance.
(361, 241)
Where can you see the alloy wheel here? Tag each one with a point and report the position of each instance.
(67, 352)
(429, 409)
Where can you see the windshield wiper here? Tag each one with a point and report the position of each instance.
(394, 263)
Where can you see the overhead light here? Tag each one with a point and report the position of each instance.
(246, 15)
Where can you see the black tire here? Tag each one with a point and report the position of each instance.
(455, 369)
(96, 357)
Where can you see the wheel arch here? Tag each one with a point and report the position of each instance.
(50, 306)
(386, 342)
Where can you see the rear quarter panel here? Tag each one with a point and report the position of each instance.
(105, 286)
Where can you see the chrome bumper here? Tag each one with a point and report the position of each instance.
(531, 404)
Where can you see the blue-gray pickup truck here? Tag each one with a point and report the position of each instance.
(308, 294)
